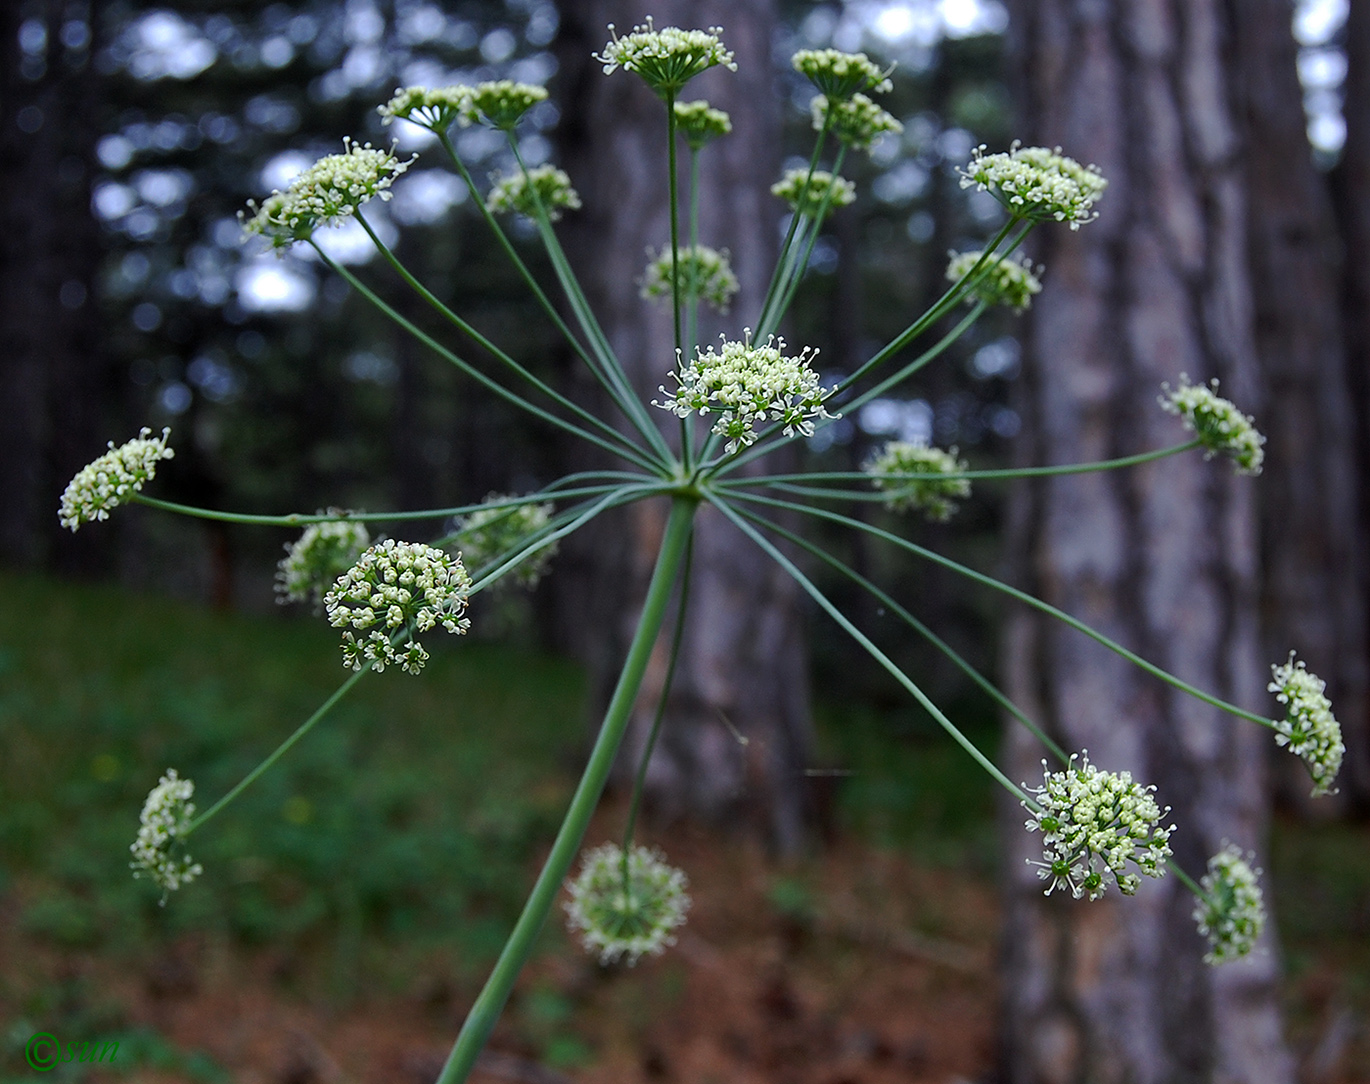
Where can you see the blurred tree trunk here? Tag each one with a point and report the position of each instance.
(1162, 558)
(743, 660)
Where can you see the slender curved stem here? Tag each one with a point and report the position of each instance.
(763, 317)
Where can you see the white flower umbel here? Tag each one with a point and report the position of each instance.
(746, 385)
(807, 198)
(930, 493)
(840, 75)
(856, 121)
(668, 58)
(1217, 423)
(699, 122)
(435, 108)
(501, 104)
(1093, 825)
(112, 479)
(1231, 913)
(165, 820)
(618, 917)
(395, 588)
(516, 193)
(704, 272)
(488, 534)
(1008, 281)
(1309, 728)
(318, 557)
(325, 194)
(1036, 183)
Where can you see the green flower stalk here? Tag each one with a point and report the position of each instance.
(1309, 728)
(624, 907)
(1009, 281)
(704, 273)
(913, 476)
(1037, 184)
(112, 479)
(1231, 911)
(523, 192)
(1219, 425)
(807, 193)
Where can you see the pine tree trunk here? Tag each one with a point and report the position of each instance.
(1162, 558)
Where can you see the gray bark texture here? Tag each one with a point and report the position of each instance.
(743, 667)
(1162, 558)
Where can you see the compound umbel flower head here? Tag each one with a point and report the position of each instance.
(1231, 914)
(1008, 280)
(110, 480)
(1217, 422)
(165, 820)
(930, 492)
(496, 533)
(522, 192)
(840, 75)
(1036, 183)
(626, 906)
(666, 59)
(1309, 728)
(318, 557)
(704, 272)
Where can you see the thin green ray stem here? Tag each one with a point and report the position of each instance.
(481, 1020)
(762, 316)
(791, 285)
(692, 322)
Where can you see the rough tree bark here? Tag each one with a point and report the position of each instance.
(1162, 559)
(743, 662)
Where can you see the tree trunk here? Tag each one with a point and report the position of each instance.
(1162, 558)
(742, 667)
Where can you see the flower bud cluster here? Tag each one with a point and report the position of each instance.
(435, 108)
(626, 907)
(1217, 422)
(807, 198)
(1007, 280)
(502, 103)
(491, 534)
(1093, 824)
(110, 480)
(394, 588)
(318, 557)
(699, 122)
(856, 121)
(165, 821)
(930, 492)
(1231, 914)
(522, 192)
(1036, 183)
(1309, 728)
(666, 59)
(746, 385)
(839, 75)
(704, 273)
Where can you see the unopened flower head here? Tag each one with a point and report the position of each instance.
(747, 384)
(1009, 281)
(110, 480)
(1231, 914)
(494, 534)
(1309, 728)
(699, 122)
(666, 59)
(930, 492)
(1094, 824)
(435, 108)
(1217, 422)
(318, 557)
(1036, 183)
(856, 121)
(166, 818)
(808, 198)
(840, 75)
(626, 910)
(325, 194)
(501, 104)
(516, 193)
(397, 589)
(704, 273)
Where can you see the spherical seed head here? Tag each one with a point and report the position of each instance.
(839, 75)
(704, 272)
(397, 589)
(501, 104)
(808, 198)
(318, 557)
(494, 534)
(1093, 825)
(110, 480)
(1008, 281)
(1217, 422)
(928, 492)
(1309, 728)
(165, 820)
(516, 193)
(1233, 914)
(747, 384)
(325, 194)
(1036, 183)
(666, 59)
(626, 917)
(856, 121)
(435, 108)
(699, 122)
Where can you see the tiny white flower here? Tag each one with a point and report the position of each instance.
(110, 480)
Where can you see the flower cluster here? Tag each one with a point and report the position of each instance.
(326, 193)
(1007, 280)
(626, 906)
(1231, 913)
(1217, 422)
(746, 384)
(806, 194)
(397, 587)
(856, 121)
(494, 533)
(931, 492)
(699, 122)
(522, 192)
(502, 103)
(1093, 824)
(108, 481)
(165, 821)
(435, 108)
(1309, 728)
(704, 273)
(318, 557)
(840, 75)
(1035, 183)
(666, 59)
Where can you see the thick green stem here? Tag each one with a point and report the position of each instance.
(481, 1020)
